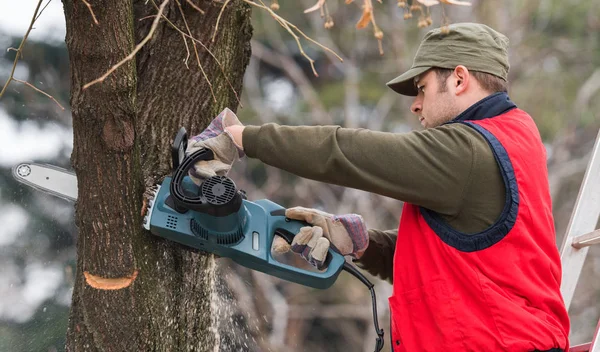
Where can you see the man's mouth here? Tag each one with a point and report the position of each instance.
(421, 118)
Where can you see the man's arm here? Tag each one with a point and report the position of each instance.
(379, 257)
(430, 168)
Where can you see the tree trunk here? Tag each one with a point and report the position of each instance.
(134, 291)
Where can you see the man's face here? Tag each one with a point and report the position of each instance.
(435, 103)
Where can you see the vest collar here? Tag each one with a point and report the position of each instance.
(490, 106)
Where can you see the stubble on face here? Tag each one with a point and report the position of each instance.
(439, 106)
(441, 110)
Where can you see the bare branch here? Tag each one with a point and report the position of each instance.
(316, 43)
(137, 48)
(310, 60)
(284, 24)
(195, 6)
(19, 52)
(187, 50)
(196, 52)
(147, 17)
(289, 26)
(218, 19)
(42, 10)
(91, 11)
(38, 90)
(207, 50)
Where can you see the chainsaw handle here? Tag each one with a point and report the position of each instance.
(289, 237)
(179, 147)
(287, 229)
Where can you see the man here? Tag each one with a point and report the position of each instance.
(475, 266)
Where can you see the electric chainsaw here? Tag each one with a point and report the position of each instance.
(214, 217)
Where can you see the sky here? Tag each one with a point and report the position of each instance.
(15, 17)
(30, 141)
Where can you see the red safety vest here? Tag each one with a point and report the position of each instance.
(498, 290)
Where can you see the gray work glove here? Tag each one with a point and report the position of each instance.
(348, 233)
(215, 138)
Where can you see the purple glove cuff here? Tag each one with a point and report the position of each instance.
(356, 228)
(214, 129)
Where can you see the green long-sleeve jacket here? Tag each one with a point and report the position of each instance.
(449, 169)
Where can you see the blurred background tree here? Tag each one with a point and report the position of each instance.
(555, 76)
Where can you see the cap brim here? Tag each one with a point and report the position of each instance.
(405, 84)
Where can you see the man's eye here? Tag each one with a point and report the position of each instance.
(421, 89)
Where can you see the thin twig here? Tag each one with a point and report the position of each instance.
(91, 11)
(147, 17)
(289, 26)
(195, 6)
(12, 72)
(310, 60)
(378, 33)
(42, 10)
(187, 50)
(38, 90)
(309, 38)
(284, 23)
(135, 50)
(314, 41)
(13, 49)
(196, 52)
(207, 50)
(218, 19)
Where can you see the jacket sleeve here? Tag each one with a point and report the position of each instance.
(378, 259)
(430, 168)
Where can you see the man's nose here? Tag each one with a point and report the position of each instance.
(416, 106)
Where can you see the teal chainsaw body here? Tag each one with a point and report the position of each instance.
(215, 217)
(245, 236)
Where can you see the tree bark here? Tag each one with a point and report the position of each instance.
(158, 294)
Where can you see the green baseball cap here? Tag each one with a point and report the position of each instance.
(473, 45)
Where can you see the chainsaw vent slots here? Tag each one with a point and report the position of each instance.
(218, 190)
(198, 230)
(225, 239)
(171, 222)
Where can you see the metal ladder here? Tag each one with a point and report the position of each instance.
(582, 233)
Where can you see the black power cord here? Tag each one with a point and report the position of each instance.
(357, 274)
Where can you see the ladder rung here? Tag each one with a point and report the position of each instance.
(595, 345)
(586, 240)
(581, 348)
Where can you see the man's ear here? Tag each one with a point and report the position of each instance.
(462, 79)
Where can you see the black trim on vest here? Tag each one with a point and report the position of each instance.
(492, 235)
(490, 106)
